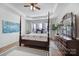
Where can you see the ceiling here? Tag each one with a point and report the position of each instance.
(18, 8)
(45, 8)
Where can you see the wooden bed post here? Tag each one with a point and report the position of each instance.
(48, 29)
(20, 33)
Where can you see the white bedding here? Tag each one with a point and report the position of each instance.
(34, 36)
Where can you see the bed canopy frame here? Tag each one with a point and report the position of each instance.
(45, 45)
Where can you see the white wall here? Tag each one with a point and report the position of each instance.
(52, 33)
(23, 25)
(28, 26)
(8, 38)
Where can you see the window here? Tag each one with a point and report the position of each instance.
(34, 28)
(45, 27)
(39, 27)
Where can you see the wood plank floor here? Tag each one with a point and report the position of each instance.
(53, 49)
(25, 51)
(5, 48)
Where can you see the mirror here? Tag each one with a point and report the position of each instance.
(68, 27)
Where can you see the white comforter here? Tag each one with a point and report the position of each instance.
(34, 36)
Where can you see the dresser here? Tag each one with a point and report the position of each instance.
(67, 46)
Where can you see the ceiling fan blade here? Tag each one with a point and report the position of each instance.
(26, 5)
(33, 4)
(37, 7)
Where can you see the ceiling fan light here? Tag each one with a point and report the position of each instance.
(34, 8)
(31, 7)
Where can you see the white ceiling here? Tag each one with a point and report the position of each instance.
(18, 8)
(45, 8)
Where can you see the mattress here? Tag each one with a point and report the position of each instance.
(36, 37)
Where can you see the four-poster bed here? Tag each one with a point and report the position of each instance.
(39, 40)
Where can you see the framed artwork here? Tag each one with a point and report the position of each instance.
(10, 27)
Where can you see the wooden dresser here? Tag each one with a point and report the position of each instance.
(67, 46)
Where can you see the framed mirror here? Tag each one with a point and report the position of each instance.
(68, 27)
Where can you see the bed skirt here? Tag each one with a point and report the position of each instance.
(40, 44)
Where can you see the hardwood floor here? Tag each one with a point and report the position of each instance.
(5, 48)
(54, 51)
(25, 51)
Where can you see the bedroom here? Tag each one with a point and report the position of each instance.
(31, 29)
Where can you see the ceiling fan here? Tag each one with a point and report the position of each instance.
(33, 6)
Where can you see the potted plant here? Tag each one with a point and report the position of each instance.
(54, 27)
